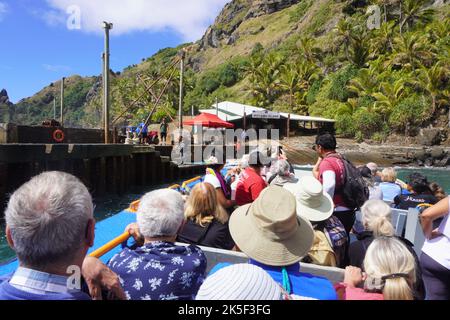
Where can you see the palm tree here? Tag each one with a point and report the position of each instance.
(289, 82)
(265, 80)
(344, 31)
(413, 11)
(432, 80)
(389, 96)
(381, 42)
(411, 50)
(359, 50)
(308, 49)
(365, 84)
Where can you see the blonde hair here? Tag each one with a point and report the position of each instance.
(202, 205)
(388, 257)
(388, 175)
(376, 217)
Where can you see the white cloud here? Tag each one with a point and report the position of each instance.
(3, 10)
(189, 18)
(56, 68)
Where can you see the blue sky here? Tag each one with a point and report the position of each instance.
(44, 40)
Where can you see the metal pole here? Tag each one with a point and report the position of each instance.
(192, 110)
(107, 26)
(61, 119)
(180, 107)
(217, 106)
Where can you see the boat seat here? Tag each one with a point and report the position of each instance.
(215, 256)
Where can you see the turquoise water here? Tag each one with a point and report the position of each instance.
(107, 207)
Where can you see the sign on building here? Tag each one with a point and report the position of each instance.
(265, 115)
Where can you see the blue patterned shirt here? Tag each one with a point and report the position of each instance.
(160, 271)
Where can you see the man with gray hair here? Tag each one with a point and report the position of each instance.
(281, 174)
(156, 268)
(50, 226)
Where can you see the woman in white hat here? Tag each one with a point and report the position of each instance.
(241, 282)
(275, 238)
(330, 238)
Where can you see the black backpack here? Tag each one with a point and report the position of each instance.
(354, 190)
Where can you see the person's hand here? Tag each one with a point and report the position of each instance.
(353, 276)
(435, 233)
(133, 230)
(99, 277)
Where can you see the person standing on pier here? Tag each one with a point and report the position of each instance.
(142, 130)
(163, 131)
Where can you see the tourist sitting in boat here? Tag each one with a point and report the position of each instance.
(421, 193)
(50, 226)
(330, 238)
(156, 268)
(388, 186)
(375, 192)
(281, 174)
(241, 282)
(251, 183)
(376, 174)
(238, 174)
(206, 220)
(270, 232)
(376, 219)
(437, 191)
(389, 273)
(435, 257)
(215, 178)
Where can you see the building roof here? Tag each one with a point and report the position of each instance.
(231, 111)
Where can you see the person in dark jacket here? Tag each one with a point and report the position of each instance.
(421, 193)
(206, 220)
(376, 218)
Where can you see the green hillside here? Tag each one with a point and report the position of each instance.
(314, 57)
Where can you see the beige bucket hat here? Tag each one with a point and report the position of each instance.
(270, 231)
(312, 202)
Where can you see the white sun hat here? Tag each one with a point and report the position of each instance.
(242, 281)
(312, 203)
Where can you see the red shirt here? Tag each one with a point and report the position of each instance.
(335, 165)
(249, 188)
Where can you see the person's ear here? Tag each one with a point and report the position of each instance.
(90, 232)
(9, 237)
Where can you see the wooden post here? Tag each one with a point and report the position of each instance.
(288, 125)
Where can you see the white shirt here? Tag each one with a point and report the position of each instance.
(439, 248)
(329, 186)
(213, 180)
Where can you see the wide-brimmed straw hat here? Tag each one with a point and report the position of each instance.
(269, 230)
(312, 203)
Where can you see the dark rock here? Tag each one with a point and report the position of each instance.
(421, 155)
(429, 137)
(429, 162)
(438, 153)
(263, 7)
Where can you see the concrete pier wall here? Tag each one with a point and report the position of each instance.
(104, 169)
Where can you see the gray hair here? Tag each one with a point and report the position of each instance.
(48, 218)
(244, 161)
(160, 213)
(281, 168)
